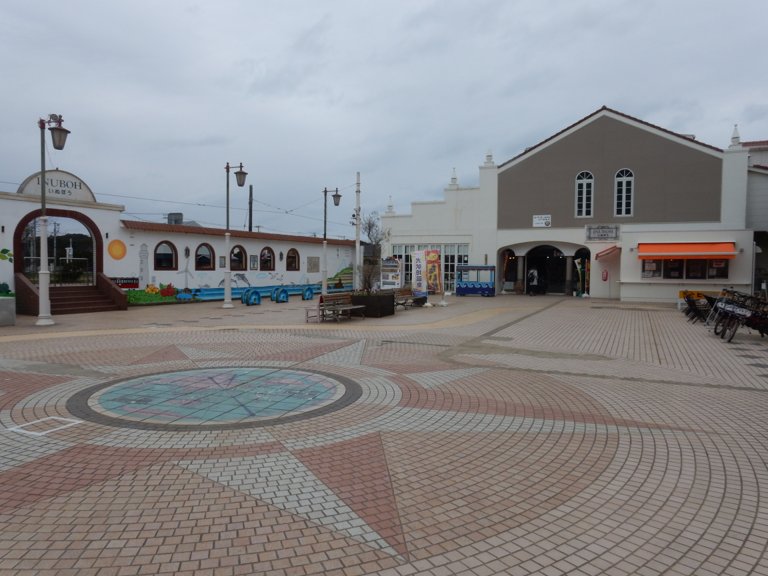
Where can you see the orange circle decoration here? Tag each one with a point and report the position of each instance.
(117, 249)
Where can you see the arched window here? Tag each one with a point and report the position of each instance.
(238, 258)
(165, 256)
(625, 181)
(585, 184)
(292, 260)
(205, 258)
(267, 260)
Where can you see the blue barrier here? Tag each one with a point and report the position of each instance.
(252, 295)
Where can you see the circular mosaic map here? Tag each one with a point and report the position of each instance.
(213, 398)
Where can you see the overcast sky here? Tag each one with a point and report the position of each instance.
(159, 95)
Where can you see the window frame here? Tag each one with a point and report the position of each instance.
(243, 262)
(212, 253)
(267, 264)
(584, 194)
(624, 193)
(663, 269)
(174, 256)
(292, 260)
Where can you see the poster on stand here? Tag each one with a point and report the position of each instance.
(391, 274)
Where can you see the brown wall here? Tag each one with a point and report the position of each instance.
(673, 182)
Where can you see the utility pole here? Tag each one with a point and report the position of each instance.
(250, 208)
(357, 271)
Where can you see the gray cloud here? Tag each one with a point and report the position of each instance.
(160, 95)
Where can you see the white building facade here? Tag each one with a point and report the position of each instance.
(135, 254)
(611, 207)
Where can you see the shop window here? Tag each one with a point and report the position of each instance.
(717, 268)
(267, 260)
(237, 258)
(696, 269)
(205, 259)
(165, 256)
(292, 262)
(584, 186)
(673, 269)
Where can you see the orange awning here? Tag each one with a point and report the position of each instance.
(687, 250)
(607, 252)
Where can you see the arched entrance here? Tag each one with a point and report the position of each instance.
(545, 270)
(75, 247)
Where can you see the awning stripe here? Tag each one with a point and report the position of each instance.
(686, 250)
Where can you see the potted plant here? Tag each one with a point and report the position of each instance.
(7, 298)
(377, 304)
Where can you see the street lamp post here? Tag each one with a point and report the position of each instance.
(240, 176)
(336, 199)
(59, 138)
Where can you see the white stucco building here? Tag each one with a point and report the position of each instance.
(132, 254)
(612, 207)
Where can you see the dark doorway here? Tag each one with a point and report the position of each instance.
(549, 264)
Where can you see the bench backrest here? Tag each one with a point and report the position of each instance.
(337, 298)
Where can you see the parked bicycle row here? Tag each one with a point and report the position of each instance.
(726, 313)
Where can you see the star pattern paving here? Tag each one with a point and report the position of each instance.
(460, 455)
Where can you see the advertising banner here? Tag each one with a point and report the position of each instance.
(434, 276)
(419, 282)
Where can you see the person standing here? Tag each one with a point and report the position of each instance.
(533, 281)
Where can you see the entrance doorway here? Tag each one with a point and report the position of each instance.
(549, 265)
(74, 248)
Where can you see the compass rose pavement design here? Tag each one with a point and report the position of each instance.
(486, 437)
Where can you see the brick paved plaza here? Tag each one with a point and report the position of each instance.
(507, 435)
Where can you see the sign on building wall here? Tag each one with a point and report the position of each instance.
(542, 220)
(58, 185)
(598, 232)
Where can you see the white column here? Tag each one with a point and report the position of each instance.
(324, 281)
(227, 275)
(44, 277)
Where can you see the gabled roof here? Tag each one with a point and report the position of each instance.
(608, 112)
(202, 230)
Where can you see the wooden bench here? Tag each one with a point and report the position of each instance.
(404, 297)
(333, 307)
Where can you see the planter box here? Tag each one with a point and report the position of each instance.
(376, 305)
(7, 311)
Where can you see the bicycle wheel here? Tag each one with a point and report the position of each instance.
(720, 323)
(730, 329)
